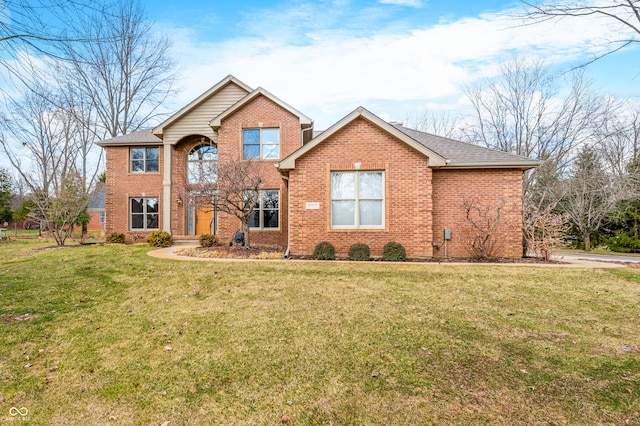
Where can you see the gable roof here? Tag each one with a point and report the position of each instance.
(159, 129)
(466, 155)
(140, 137)
(442, 152)
(435, 159)
(217, 121)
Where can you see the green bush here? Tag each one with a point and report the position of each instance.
(208, 240)
(324, 251)
(115, 238)
(394, 252)
(160, 239)
(359, 251)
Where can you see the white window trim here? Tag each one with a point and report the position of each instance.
(357, 200)
(260, 210)
(261, 155)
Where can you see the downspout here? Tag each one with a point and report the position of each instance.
(286, 253)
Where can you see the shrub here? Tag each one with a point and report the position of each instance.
(324, 251)
(394, 252)
(359, 251)
(115, 238)
(160, 239)
(208, 240)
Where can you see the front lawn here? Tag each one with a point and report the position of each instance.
(109, 335)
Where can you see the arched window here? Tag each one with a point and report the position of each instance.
(202, 164)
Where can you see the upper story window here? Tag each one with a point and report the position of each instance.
(144, 160)
(357, 199)
(202, 164)
(262, 144)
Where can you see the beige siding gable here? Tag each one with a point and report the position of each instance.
(197, 120)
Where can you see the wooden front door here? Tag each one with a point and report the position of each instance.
(204, 217)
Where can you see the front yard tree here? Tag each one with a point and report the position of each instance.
(232, 187)
(62, 208)
(126, 75)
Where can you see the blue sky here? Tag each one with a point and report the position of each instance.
(394, 57)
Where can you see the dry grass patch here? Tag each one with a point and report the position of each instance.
(138, 340)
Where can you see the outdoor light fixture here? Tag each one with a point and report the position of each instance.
(179, 200)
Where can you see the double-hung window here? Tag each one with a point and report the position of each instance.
(266, 214)
(144, 159)
(261, 144)
(357, 199)
(143, 213)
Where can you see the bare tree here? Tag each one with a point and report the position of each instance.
(43, 148)
(524, 112)
(126, 74)
(590, 194)
(544, 228)
(442, 123)
(60, 210)
(47, 153)
(40, 29)
(622, 15)
(619, 139)
(232, 187)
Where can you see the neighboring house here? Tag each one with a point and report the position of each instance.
(361, 180)
(96, 209)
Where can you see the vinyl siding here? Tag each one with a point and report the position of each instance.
(197, 120)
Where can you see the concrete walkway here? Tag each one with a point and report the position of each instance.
(573, 260)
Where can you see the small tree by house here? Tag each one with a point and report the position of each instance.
(231, 187)
(238, 192)
(61, 210)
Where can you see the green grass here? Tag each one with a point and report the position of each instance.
(252, 341)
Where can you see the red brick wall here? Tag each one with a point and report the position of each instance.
(94, 221)
(407, 191)
(485, 188)
(121, 185)
(260, 112)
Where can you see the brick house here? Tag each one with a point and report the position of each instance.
(361, 180)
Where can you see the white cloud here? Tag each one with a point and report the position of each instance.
(410, 3)
(332, 71)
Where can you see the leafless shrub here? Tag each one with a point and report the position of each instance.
(481, 225)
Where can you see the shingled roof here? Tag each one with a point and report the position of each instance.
(460, 154)
(141, 137)
(442, 152)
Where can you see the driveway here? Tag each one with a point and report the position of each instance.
(611, 259)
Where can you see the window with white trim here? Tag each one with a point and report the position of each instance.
(102, 216)
(357, 199)
(266, 214)
(143, 213)
(144, 159)
(261, 144)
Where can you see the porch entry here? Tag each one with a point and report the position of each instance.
(201, 221)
